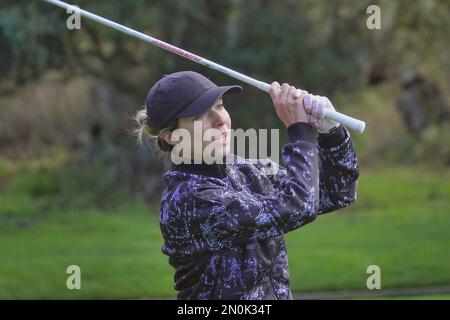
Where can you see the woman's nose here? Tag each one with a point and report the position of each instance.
(219, 118)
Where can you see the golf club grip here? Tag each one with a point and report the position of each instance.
(345, 120)
(349, 122)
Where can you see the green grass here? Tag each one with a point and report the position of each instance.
(119, 254)
(400, 222)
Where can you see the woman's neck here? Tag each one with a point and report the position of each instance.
(216, 170)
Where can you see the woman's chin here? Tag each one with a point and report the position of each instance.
(221, 151)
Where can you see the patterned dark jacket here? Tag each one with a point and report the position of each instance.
(223, 225)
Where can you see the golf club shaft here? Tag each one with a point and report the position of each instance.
(350, 122)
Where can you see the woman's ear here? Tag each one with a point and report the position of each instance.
(167, 136)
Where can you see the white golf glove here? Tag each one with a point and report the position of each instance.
(315, 107)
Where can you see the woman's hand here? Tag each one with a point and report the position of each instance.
(315, 107)
(288, 103)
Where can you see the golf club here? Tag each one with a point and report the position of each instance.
(349, 122)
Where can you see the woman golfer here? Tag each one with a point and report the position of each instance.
(223, 223)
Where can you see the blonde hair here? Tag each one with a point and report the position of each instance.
(143, 130)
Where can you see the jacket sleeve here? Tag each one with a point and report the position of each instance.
(338, 169)
(214, 216)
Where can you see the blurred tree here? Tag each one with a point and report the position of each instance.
(422, 103)
(321, 46)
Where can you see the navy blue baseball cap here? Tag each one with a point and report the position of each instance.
(182, 94)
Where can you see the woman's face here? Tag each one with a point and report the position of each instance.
(216, 123)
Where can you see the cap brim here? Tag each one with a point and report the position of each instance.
(206, 100)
